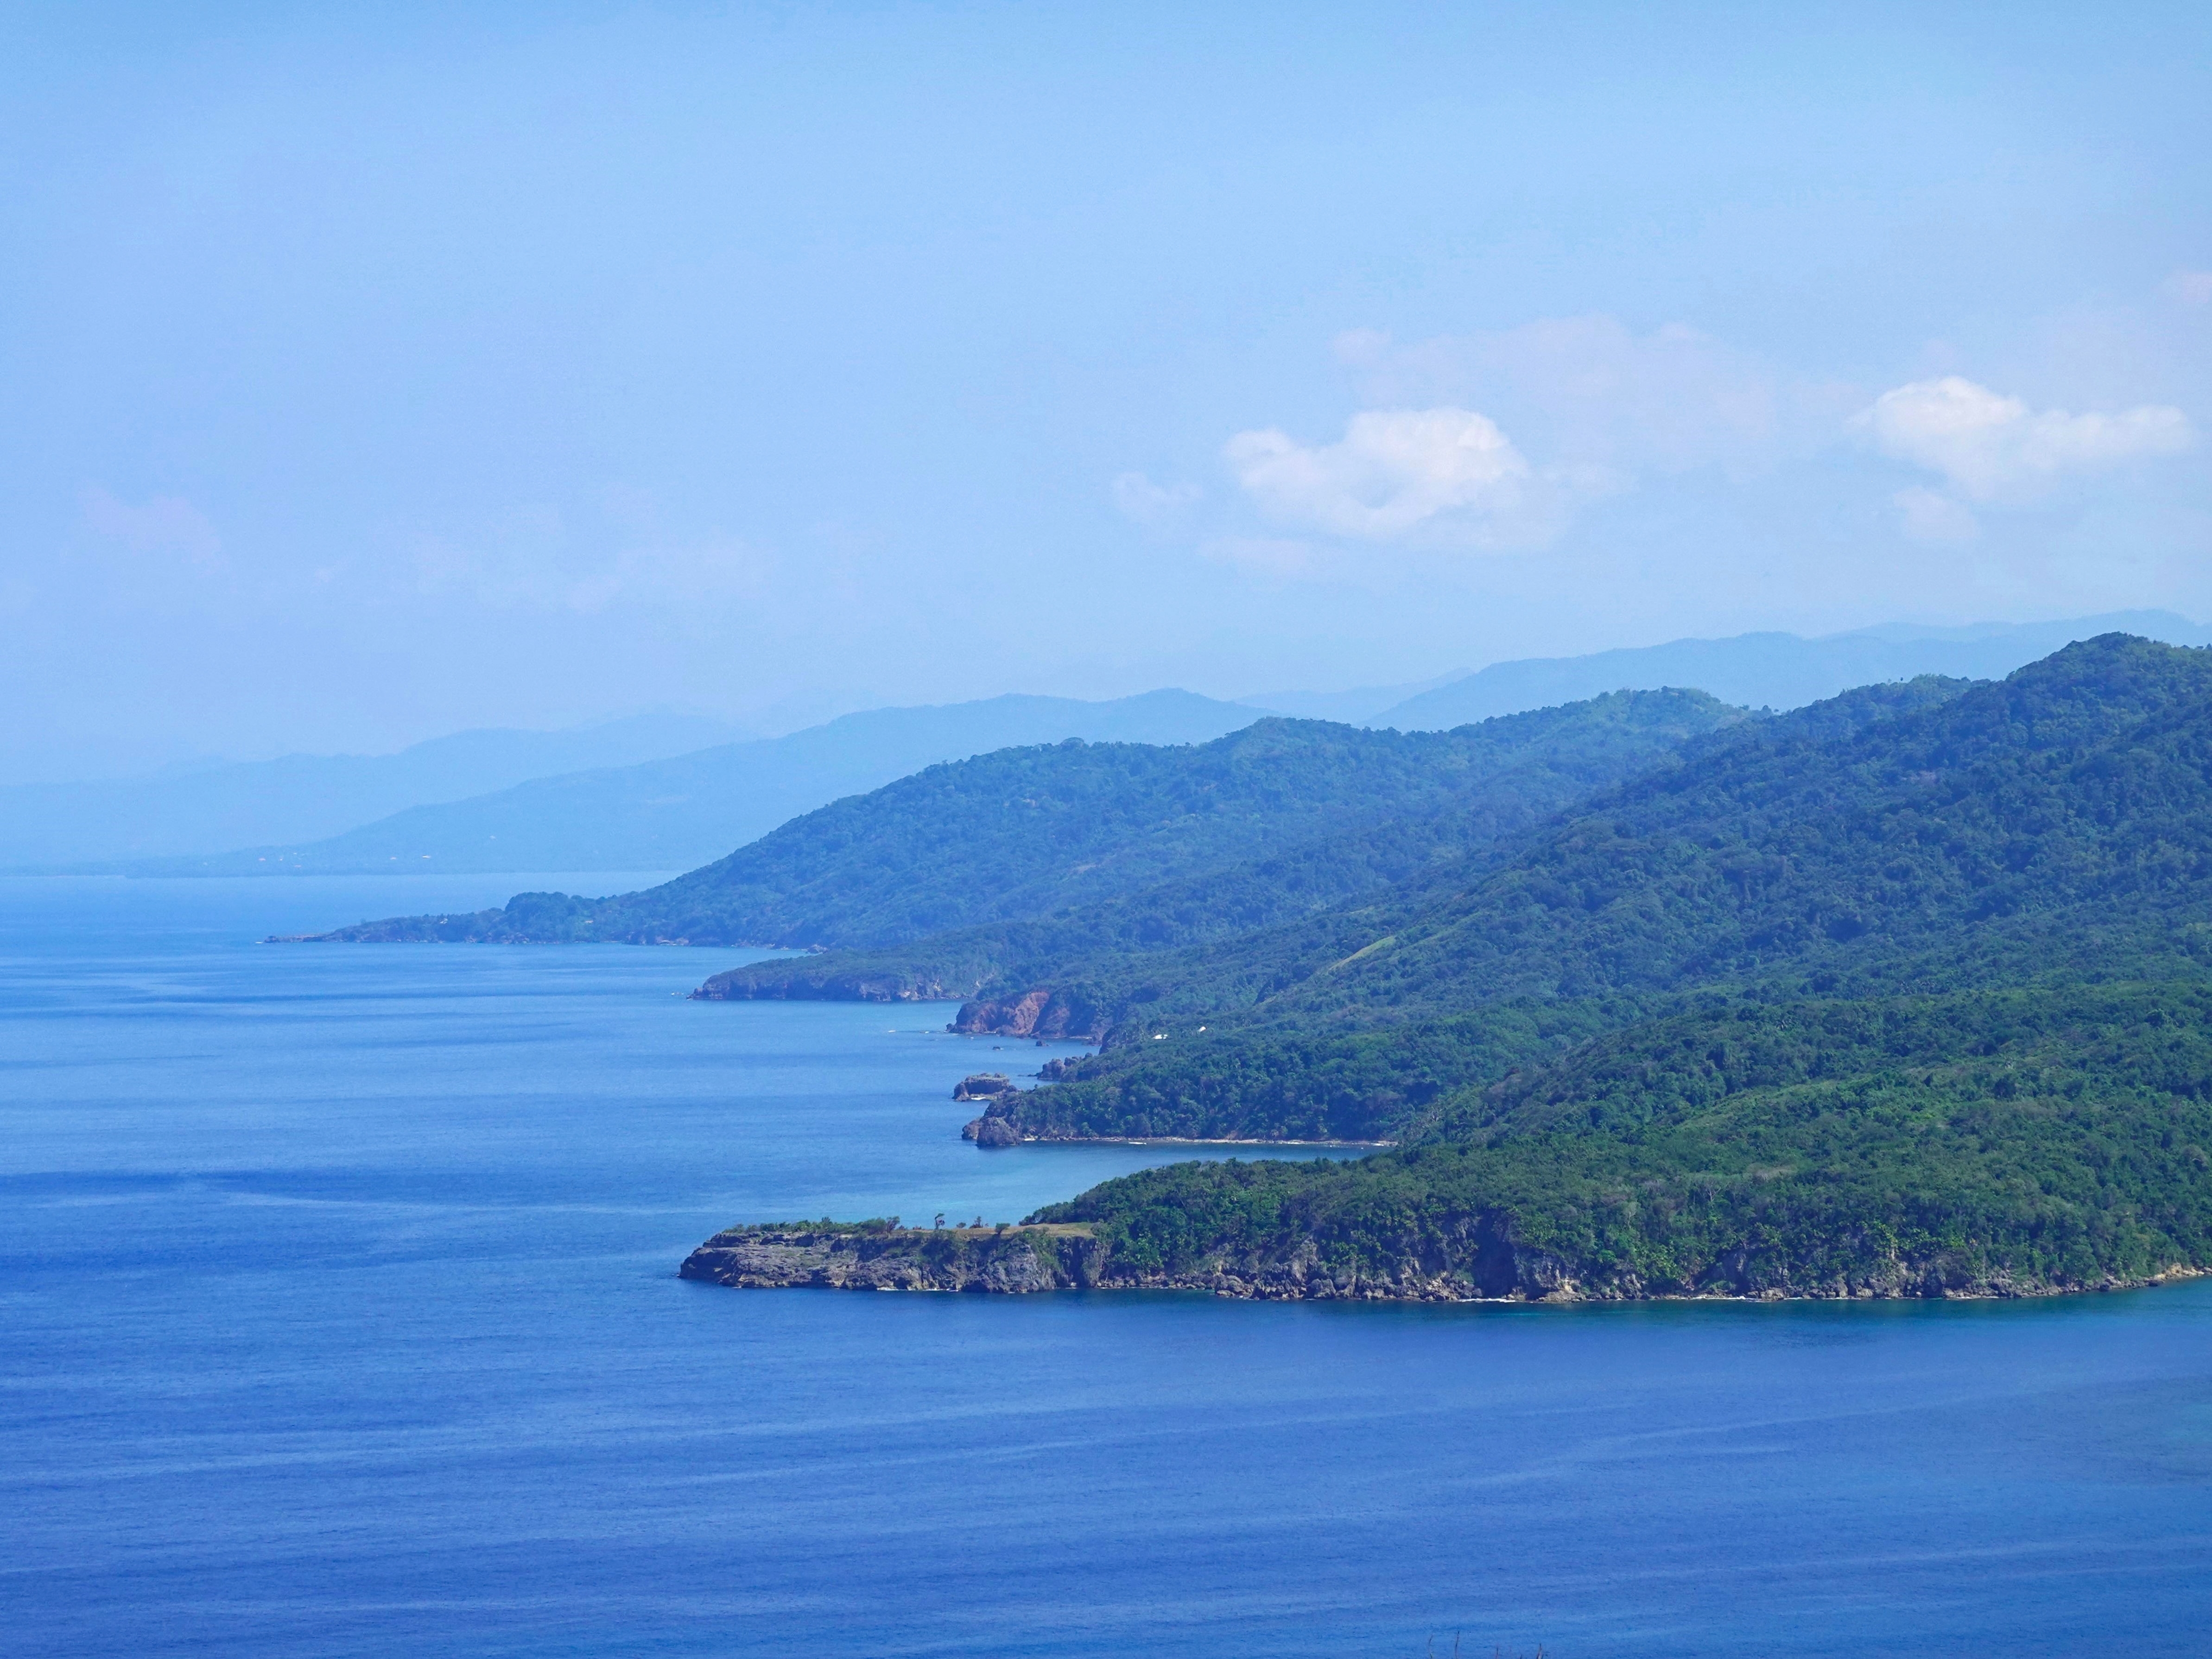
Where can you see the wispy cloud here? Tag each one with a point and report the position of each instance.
(1498, 442)
(1930, 516)
(166, 524)
(533, 560)
(1591, 406)
(1589, 392)
(2190, 287)
(1156, 506)
(1266, 554)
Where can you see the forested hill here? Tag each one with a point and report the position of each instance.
(1903, 993)
(1027, 832)
(2058, 824)
(1916, 1008)
(2085, 779)
(1997, 1144)
(1170, 955)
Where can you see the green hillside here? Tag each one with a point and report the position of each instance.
(1130, 994)
(1910, 1005)
(1997, 1142)
(1026, 835)
(2058, 821)
(2083, 779)
(1091, 958)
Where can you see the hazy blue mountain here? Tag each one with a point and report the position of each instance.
(688, 810)
(1771, 670)
(1356, 707)
(299, 798)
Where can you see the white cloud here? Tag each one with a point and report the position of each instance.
(1929, 515)
(1442, 473)
(167, 524)
(1156, 506)
(1995, 449)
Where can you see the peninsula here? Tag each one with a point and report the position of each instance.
(1906, 994)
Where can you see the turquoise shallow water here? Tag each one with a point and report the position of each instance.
(339, 1315)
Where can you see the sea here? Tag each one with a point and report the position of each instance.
(339, 1316)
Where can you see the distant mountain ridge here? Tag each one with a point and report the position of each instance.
(1046, 831)
(1771, 670)
(672, 792)
(1492, 781)
(685, 811)
(208, 809)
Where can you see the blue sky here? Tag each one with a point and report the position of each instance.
(375, 376)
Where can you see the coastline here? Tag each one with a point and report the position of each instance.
(1034, 1257)
(1184, 1140)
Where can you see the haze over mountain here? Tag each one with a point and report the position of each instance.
(1164, 835)
(679, 812)
(306, 797)
(1359, 704)
(675, 810)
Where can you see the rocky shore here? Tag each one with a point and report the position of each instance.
(1039, 1013)
(1007, 1261)
(1019, 1260)
(826, 979)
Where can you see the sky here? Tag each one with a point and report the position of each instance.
(380, 373)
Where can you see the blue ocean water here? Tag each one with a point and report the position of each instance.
(338, 1315)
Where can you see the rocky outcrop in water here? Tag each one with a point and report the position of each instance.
(983, 1086)
(1038, 1013)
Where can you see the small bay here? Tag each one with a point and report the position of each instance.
(339, 1315)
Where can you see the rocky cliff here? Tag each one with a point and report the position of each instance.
(1042, 1012)
(835, 981)
(1484, 1263)
(1004, 1260)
